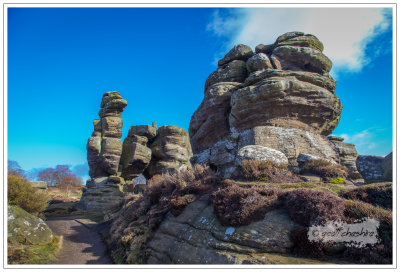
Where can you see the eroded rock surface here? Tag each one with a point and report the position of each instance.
(197, 237)
(283, 98)
(104, 148)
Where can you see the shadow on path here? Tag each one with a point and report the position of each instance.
(81, 244)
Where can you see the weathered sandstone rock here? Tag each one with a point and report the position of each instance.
(238, 52)
(283, 98)
(347, 156)
(135, 156)
(196, 237)
(370, 167)
(387, 166)
(209, 123)
(234, 71)
(285, 102)
(258, 62)
(25, 228)
(262, 153)
(171, 150)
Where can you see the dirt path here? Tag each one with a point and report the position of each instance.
(81, 245)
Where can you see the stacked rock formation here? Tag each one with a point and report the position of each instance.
(153, 152)
(104, 147)
(136, 154)
(281, 97)
(114, 165)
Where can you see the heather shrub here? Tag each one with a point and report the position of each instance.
(375, 194)
(381, 252)
(141, 215)
(21, 193)
(308, 207)
(237, 206)
(267, 171)
(325, 169)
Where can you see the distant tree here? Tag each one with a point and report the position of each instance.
(47, 175)
(68, 182)
(15, 169)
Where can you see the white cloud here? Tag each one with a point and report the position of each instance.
(367, 141)
(345, 32)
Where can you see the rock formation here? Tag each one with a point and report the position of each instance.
(104, 147)
(375, 168)
(197, 237)
(115, 165)
(281, 97)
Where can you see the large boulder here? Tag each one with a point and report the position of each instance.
(238, 52)
(135, 156)
(370, 167)
(209, 123)
(171, 150)
(25, 228)
(234, 71)
(111, 150)
(262, 153)
(387, 166)
(285, 102)
(197, 237)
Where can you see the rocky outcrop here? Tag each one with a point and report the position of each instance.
(104, 147)
(347, 156)
(375, 168)
(102, 194)
(27, 229)
(387, 166)
(115, 165)
(280, 97)
(197, 237)
(171, 150)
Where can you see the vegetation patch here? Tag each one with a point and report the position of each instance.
(34, 254)
(378, 194)
(336, 181)
(237, 206)
(324, 169)
(22, 194)
(267, 171)
(309, 207)
(141, 215)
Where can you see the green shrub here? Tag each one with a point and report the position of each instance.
(237, 206)
(267, 171)
(21, 193)
(380, 194)
(336, 181)
(325, 169)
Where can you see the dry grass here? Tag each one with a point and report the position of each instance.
(308, 207)
(237, 206)
(325, 169)
(267, 171)
(380, 194)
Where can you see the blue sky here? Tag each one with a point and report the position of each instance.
(61, 61)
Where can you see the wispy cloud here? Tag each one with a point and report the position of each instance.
(367, 141)
(345, 32)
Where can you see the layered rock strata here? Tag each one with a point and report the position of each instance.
(281, 96)
(197, 237)
(104, 147)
